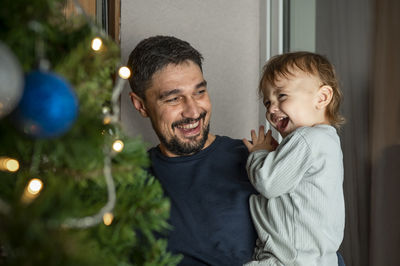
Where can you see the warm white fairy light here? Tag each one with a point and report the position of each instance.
(35, 186)
(105, 110)
(12, 165)
(124, 72)
(118, 145)
(108, 218)
(107, 120)
(32, 190)
(8, 164)
(96, 44)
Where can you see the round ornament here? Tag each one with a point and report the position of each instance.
(11, 80)
(48, 107)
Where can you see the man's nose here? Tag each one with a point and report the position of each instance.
(190, 109)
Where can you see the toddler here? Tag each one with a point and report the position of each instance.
(299, 213)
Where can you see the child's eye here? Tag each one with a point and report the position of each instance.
(267, 104)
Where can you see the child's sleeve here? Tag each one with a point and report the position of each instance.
(278, 172)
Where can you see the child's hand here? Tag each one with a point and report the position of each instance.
(261, 142)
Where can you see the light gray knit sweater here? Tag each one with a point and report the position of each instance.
(299, 214)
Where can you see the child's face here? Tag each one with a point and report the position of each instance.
(292, 102)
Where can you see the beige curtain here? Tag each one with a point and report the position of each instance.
(385, 136)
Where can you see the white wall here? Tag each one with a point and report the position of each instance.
(226, 32)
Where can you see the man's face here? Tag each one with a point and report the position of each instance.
(179, 108)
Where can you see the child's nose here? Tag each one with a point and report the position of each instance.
(273, 108)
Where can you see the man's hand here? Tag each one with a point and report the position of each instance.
(262, 141)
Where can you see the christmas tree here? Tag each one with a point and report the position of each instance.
(74, 189)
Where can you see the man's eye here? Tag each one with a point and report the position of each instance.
(172, 100)
(281, 96)
(200, 92)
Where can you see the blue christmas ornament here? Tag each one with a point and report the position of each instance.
(48, 106)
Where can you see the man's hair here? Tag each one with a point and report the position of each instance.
(153, 54)
(311, 63)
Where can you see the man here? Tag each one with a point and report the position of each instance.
(202, 174)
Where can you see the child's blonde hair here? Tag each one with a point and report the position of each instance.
(311, 63)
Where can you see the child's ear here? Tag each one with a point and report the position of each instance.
(138, 103)
(324, 97)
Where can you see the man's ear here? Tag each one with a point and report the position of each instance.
(324, 97)
(138, 103)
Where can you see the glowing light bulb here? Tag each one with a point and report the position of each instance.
(32, 190)
(108, 218)
(35, 186)
(8, 164)
(118, 145)
(106, 120)
(124, 72)
(105, 110)
(96, 44)
(12, 165)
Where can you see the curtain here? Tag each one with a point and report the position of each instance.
(362, 39)
(385, 136)
(344, 35)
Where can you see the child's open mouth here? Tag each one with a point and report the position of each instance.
(282, 124)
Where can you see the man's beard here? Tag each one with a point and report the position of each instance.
(175, 146)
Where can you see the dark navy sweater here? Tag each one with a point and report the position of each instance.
(209, 194)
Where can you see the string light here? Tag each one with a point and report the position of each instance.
(105, 212)
(107, 120)
(96, 44)
(124, 72)
(8, 164)
(108, 218)
(35, 186)
(105, 110)
(32, 190)
(118, 145)
(95, 219)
